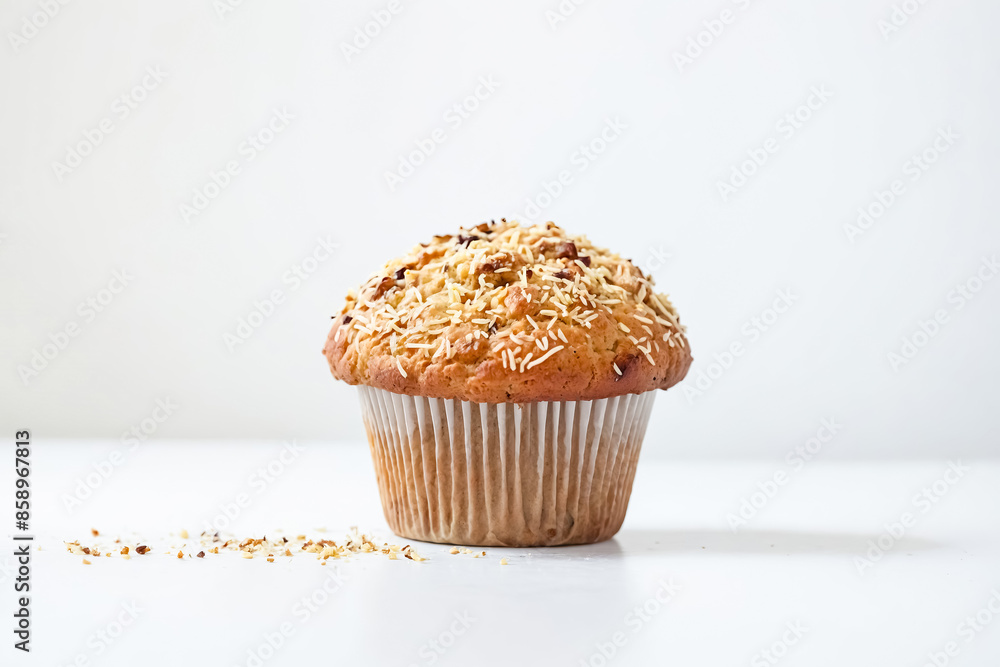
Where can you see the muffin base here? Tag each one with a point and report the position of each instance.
(508, 474)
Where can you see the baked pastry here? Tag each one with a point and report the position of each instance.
(506, 377)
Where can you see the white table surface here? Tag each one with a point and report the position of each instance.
(795, 562)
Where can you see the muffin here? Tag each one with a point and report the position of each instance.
(506, 376)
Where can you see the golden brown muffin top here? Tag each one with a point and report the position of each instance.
(502, 313)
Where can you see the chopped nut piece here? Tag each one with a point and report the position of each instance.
(184, 534)
(453, 550)
(503, 561)
(86, 562)
(142, 549)
(124, 551)
(566, 249)
(201, 554)
(94, 532)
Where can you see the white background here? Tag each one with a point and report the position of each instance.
(804, 557)
(820, 548)
(654, 190)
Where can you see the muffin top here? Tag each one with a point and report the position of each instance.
(501, 313)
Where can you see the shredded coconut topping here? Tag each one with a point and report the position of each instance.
(510, 288)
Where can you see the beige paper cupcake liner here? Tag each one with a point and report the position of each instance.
(531, 474)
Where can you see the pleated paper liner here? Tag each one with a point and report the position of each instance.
(525, 474)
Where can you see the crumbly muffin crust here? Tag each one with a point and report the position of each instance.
(501, 313)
